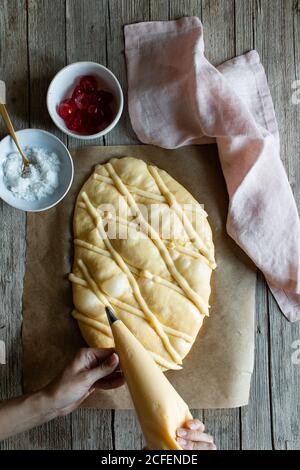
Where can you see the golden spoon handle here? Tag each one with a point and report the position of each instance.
(11, 130)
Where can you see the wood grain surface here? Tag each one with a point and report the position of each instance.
(37, 38)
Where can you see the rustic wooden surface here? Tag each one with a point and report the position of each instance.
(37, 38)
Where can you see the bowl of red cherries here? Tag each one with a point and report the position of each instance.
(85, 100)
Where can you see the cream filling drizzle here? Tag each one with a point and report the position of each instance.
(133, 189)
(146, 194)
(99, 326)
(171, 199)
(133, 310)
(139, 273)
(191, 294)
(163, 362)
(170, 245)
(107, 331)
(182, 287)
(151, 318)
(102, 298)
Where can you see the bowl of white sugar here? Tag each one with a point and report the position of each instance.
(46, 180)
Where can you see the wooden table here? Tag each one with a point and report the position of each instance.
(37, 38)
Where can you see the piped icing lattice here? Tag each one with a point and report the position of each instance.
(143, 246)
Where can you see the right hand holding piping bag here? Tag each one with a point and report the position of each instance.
(160, 410)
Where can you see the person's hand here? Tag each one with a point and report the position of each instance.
(193, 437)
(91, 368)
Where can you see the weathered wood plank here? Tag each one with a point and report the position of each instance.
(244, 19)
(27, 103)
(102, 22)
(12, 234)
(118, 15)
(256, 429)
(224, 426)
(277, 50)
(159, 10)
(86, 40)
(219, 30)
(127, 432)
(178, 8)
(256, 417)
(285, 381)
(92, 429)
(46, 55)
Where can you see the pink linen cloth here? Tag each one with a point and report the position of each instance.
(176, 98)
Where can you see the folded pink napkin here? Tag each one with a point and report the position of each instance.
(176, 97)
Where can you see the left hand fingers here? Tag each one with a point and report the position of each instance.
(114, 375)
(102, 353)
(194, 435)
(89, 358)
(114, 380)
(104, 369)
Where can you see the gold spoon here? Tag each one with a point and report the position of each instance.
(9, 126)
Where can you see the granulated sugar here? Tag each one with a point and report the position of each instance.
(41, 178)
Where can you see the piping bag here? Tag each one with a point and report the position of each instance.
(160, 409)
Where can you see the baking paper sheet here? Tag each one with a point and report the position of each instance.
(217, 371)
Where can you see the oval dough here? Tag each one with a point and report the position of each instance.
(143, 245)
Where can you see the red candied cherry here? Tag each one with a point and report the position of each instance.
(88, 83)
(101, 96)
(82, 101)
(95, 112)
(77, 122)
(77, 91)
(107, 113)
(93, 97)
(90, 125)
(105, 96)
(66, 109)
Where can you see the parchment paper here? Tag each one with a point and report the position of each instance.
(217, 371)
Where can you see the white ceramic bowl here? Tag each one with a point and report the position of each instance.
(38, 138)
(64, 83)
